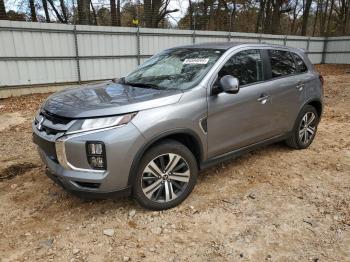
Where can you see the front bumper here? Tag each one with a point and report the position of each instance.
(67, 164)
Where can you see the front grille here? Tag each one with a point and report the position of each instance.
(50, 131)
(52, 124)
(55, 119)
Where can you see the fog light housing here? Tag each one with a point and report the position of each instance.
(96, 155)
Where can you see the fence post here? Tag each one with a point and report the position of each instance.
(285, 40)
(194, 36)
(325, 42)
(308, 44)
(77, 52)
(138, 45)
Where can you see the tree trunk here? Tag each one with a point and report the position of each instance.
(83, 11)
(119, 20)
(46, 11)
(267, 18)
(295, 16)
(94, 13)
(3, 15)
(113, 13)
(32, 11)
(276, 14)
(260, 16)
(323, 18)
(329, 18)
(190, 14)
(64, 11)
(316, 16)
(148, 13)
(305, 16)
(346, 26)
(56, 12)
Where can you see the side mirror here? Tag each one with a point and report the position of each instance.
(229, 84)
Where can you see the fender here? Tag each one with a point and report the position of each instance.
(155, 139)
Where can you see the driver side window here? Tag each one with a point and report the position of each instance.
(246, 66)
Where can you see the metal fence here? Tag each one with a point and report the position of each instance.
(42, 53)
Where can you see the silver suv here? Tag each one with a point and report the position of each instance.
(184, 109)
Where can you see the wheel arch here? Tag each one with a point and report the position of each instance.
(185, 136)
(317, 104)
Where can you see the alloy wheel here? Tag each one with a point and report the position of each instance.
(165, 177)
(307, 127)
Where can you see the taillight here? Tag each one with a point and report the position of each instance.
(321, 79)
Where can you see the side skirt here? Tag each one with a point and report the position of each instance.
(238, 152)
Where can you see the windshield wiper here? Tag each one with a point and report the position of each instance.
(144, 85)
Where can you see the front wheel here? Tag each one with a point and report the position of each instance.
(166, 176)
(305, 128)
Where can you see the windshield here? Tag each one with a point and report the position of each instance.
(180, 68)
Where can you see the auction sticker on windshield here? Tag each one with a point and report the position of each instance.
(196, 61)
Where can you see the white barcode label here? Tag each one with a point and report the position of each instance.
(196, 61)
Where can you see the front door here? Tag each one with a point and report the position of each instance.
(242, 119)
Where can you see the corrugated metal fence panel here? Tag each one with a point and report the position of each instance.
(155, 40)
(35, 39)
(33, 46)
(41, 53)
(95, 69)
(99, 51)
(107, 41)
(13, 73)
(341, 46)
(211, 36)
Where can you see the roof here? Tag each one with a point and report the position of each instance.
(228, 45)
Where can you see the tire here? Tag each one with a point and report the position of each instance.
(302, 136)
(166, 175)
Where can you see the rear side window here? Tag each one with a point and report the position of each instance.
(300, 63)
(245, 65)
(282, 63)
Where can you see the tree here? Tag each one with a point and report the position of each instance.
(305, 16)
(115, 13)
(32, 11)
(3, 15)
(59, 17)
(46, 11)
(83, 11)
(64, 11)
(155, 11)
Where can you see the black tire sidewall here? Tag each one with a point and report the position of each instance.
(164, 147)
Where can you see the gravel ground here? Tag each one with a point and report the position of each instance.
(273, 204)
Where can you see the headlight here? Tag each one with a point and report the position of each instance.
(99, 123)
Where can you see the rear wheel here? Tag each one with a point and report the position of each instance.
(305, 128)
(166, 176)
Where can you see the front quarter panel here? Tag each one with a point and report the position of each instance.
(176, 118)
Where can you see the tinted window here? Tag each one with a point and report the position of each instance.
(300, 63)
(245, 65)
(282, 63)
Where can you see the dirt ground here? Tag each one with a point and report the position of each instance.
(273, 204)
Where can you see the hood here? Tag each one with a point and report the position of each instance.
(107, 98)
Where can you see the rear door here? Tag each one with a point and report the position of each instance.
(287, 89)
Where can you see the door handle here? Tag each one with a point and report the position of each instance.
(300, 86)
(263, 99)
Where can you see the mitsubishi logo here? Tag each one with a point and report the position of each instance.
(40, 123)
